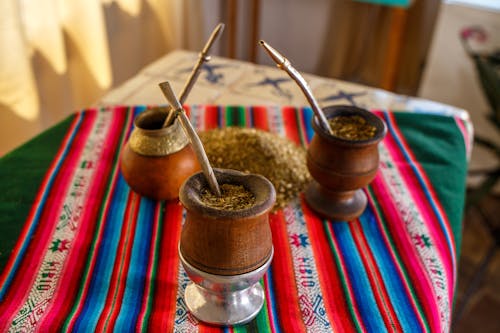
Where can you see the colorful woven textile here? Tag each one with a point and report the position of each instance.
(82, 252)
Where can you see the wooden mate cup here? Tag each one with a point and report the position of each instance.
(226, 252)
(342, 167)
(227, 242)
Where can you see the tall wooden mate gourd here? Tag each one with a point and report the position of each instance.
(227, 242)
(226, 252)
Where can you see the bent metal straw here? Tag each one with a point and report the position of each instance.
(193, 137)
(284, 64)
(195, 72)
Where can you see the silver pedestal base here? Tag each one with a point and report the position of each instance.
(229, 309)
(224, 299)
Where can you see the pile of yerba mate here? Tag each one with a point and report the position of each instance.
(255, 151)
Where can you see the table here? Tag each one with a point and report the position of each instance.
(80, 251)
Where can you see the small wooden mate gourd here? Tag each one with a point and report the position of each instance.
(343, 163)
(156, 160)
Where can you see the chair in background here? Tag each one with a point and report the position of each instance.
(488, 70)
(231, 10)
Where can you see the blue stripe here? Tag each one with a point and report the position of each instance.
(105, 261)
(272, 302)
(250, 112)
(134, 289)
(41, 205)
(138, 109)
(422, 185)
(307, 115)
(220, 117)
(392, 280)
(362, 290)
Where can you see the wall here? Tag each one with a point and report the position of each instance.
(450, 76)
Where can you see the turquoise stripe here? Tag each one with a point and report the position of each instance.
(358, 279)
(221, 117)
(105, 261)
(307, 115)
(392, 280)
(272, 302)
(134, 289)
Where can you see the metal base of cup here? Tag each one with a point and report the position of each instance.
(336, 206)
(228, 309)
(224, 299)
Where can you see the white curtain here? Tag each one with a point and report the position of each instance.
(58, 56)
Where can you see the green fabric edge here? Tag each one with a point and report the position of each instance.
(439, 146)
(21, 179)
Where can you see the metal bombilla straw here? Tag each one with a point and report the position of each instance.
(195, 72)
(193, 137)
(284, 64)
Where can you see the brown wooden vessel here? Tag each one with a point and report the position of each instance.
(156, 161)
(227, 242)
(341, 167)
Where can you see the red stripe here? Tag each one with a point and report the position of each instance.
(412, 178)
(165, 296)
(331, 286)
(117, 265)
(211, 117)
(40, 242)
(35, 206)
(290, 124)
(70, 277)
(187, 108)
(99, 233)
(418, 275)
(395, 260)
(204, 328)
(285, 287)
(417, 188)
(445, 253)
(341, 266)
(122, 276)
(269, 303)
(119, 277)
(377, 283)
(260, 120)
(148, 286)
(465, 133)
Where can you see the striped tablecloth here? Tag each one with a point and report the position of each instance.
(81, 252)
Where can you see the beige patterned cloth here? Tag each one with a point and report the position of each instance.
(225, 81)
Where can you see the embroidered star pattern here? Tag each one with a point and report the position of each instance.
(59, 245)
(299, 240)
